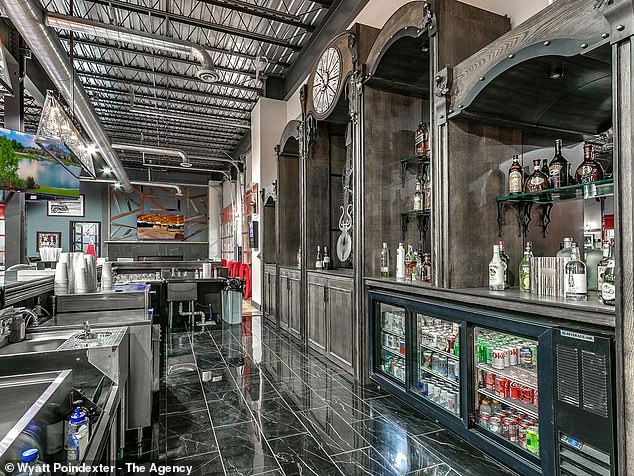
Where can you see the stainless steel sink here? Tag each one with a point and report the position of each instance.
(33, 345)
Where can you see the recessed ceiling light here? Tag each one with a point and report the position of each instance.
(107, 170)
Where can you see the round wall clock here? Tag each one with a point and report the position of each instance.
(327, 80)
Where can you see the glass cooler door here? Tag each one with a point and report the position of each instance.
(506, 399)
(391, 342)
(437, 372)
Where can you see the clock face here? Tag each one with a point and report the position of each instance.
(327, 80)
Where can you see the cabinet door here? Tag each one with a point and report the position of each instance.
(265, 294)
(284, 302)
(340, 315)
(294, 308)
(317, 315)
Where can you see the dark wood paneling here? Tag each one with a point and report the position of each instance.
(340, 319)
(284, 303)
(316, 315)
(318, 195)
(295, 317)
(289, 209)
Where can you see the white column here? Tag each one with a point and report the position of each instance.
(214, 208)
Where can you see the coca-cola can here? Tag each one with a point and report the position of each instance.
(495, 425)
(513, 355)
(507, 357)
(501, 385)
(527, 394)
(516, 391)
(521, 432)
(497, 359)
(535, 398)
(511, 429)
(483, 420)
(489, 380)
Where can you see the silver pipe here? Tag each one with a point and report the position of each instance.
(190, 169)
(27, 16)
(206, 73)
(179, 191)
(233, 162)
(171, 152)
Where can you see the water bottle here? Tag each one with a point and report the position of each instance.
(78, 435)
(73, 451)
(35, 466)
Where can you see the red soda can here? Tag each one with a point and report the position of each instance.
(500, 387)
(489, 381)
(535, 398)
(516, 391)
(527, 394)
(511, 429)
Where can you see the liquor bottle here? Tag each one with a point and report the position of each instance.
(385, 261)
(427, 276)
(516, 177)
(525, 269)
(496, 270)
(576, 284)
(601, 267)
(410, 263)
(537, 181)
(508, 279)
(593, 258)
(545, 169)
(608, 290)
(421, 141)
(566, 248)
(590, 170)
(319, 261)
(326, 261)
(558, 168)
(400, 262)
(418, 197)
(427, 194)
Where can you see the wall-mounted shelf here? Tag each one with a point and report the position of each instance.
(421, 164)
(422, 217)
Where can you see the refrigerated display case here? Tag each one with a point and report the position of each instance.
(507, 389)
(391, 342)
(437, 372)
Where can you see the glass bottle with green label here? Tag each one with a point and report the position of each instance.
(525, 269)
(608, 290)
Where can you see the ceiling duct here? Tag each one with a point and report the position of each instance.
(155, 151)
(26, 16)
(206, 73)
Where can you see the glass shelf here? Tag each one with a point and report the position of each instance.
(416, 213)
(602, 188)
(414, 159)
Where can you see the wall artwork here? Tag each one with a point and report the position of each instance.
(157, 226)
(66, 208)
(51, 239)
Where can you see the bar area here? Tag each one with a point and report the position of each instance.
(323, 237)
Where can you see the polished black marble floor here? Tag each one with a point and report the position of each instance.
(247, 400)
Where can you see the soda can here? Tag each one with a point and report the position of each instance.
(535, 398)
(442, 365)
(521, 433)
(442, 399)
(437, 389)
(427, 358)
(516, 391)
(497, 358)
(526, 357)
(422, 387)
(456, 371)
(483, 420)
(431, 389)
(450, 339)
(527, 394)
(451, 401)
(507, 357)
(532, 439)
(451, 369)
(489, 380)
(495, 425)
(511, 429)
(513, 355)
(501, 385)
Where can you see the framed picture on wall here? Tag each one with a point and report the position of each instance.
(66, 208)
(51, 239)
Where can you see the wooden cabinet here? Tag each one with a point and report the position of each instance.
(269, 292)
(290, 299)
(330, 316)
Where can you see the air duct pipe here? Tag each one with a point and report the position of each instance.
(27, 17)
(179, 191)
(156, 151)
(206, 73)
(193, 169)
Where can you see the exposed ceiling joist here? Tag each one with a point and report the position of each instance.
(155, 140)
(192, 21)
(163, 74)
(262, 12)
(154, 135)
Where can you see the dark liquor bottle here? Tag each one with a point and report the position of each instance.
(537, 181)
(421, 141)
(516, 177)
(326, 260)
(590, 170)
(545, 170)
(558, 168)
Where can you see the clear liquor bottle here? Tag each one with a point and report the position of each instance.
(602, 266)
(525, 269)
(496, 270)
(516, 177)
(566, 249)
(558, 168)
(410, 262)
(427, 194)
(385, 261)
(537, 181)
(608, 290)
(590, 170)
(576, 284)
(418, 197)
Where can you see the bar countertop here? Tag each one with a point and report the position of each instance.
(592, 311)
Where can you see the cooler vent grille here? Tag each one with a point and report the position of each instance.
(594, 380)
(567, 375)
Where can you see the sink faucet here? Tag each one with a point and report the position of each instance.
(32, 317)
(87, 331)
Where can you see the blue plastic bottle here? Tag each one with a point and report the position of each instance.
(30, 457)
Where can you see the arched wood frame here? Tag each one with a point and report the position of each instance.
(291, 131)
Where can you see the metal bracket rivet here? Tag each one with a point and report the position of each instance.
(620, 27)
(511, 56)
(584, 45)
(450, 111)
(605, 35)
(546, 43)
(461, 106)
(481, 78)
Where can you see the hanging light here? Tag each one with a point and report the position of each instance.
(56, 124)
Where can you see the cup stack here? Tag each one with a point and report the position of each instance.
(81, 276)
(106, 276)
(61, 275)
